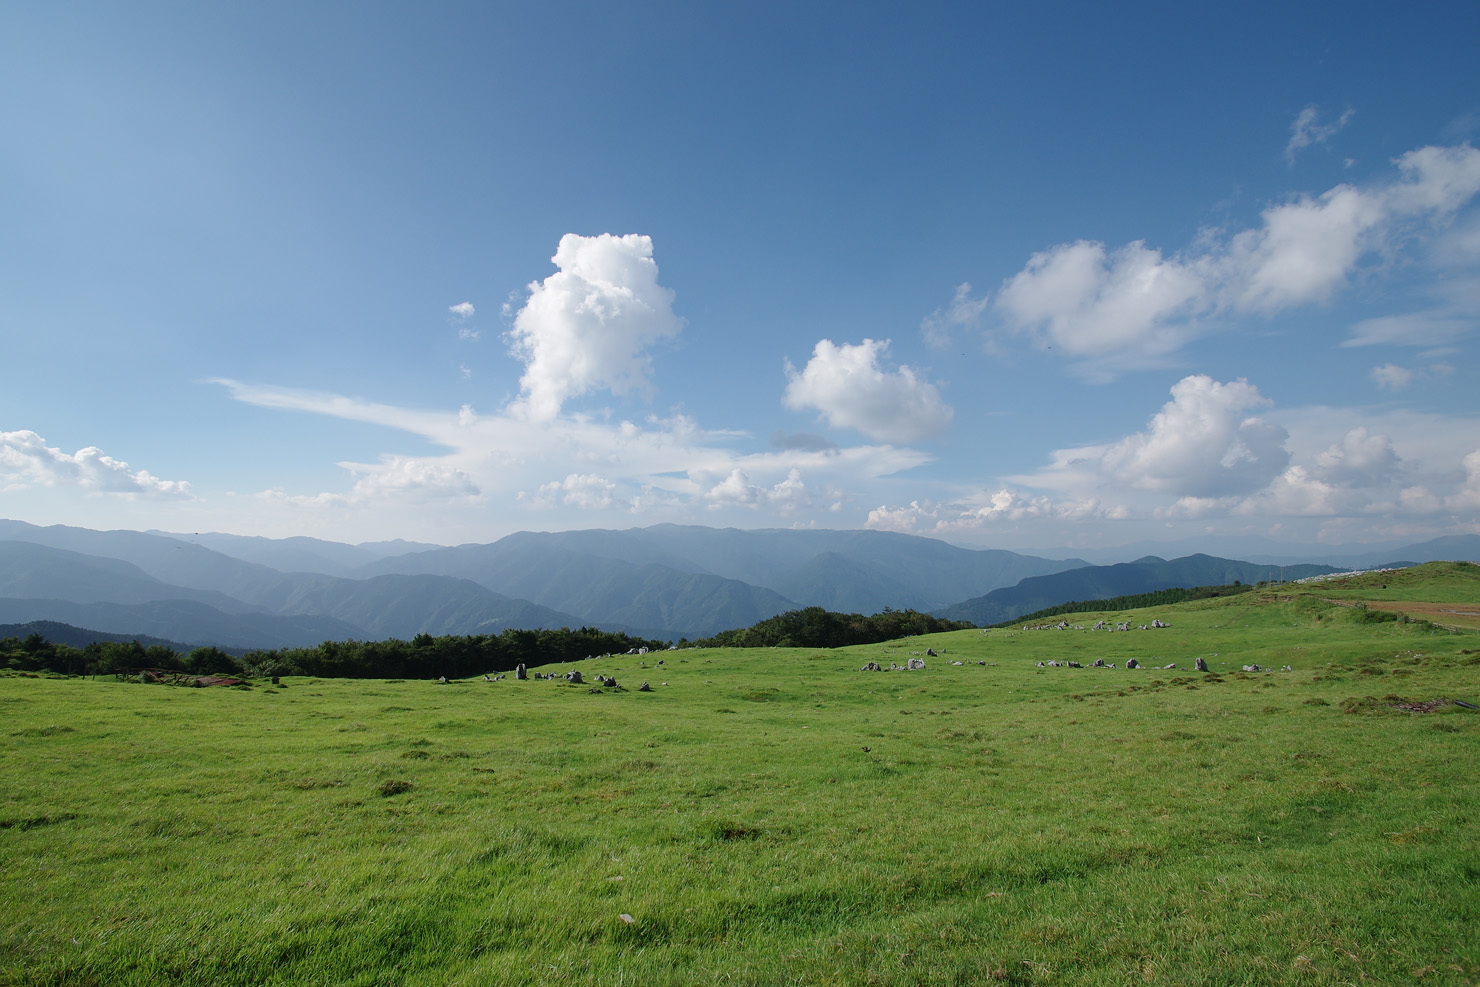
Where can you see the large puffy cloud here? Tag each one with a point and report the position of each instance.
(587, 326)
(1205, 463)
(1090, 301)
(26, 459)
(1202, 444)
(1303, 251)
(1359, 458)
(1467, 497)
(847, 385)
(1094, 302)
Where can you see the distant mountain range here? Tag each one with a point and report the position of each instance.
(665, 582)
(1101, 582)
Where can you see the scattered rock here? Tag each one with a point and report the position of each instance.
(1132, 663)
(917, 664)
(644, 687)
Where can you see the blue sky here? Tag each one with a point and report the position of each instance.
(1062, 275)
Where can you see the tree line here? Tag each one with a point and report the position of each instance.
(424, 656)
(814, 627)
(456, 656)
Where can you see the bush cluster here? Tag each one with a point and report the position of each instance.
(815, 627)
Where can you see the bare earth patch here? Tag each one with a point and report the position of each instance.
(1465, 615)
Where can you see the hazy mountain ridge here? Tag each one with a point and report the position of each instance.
(299, 553)
(604, 589)
(662, 582)
(183, 620)
(575, 570)
(1264, 551)
(32, 571)
(1122, 579)
(56, 632)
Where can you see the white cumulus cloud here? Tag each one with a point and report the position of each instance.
(846, 384)
(463, 310)
(1090, 301)
(1202, 443)
(26, 460)
(587, 327)
(586, 491)
(1359, 458)
(1134, 302)
(735, 490)
(404, 476)
(1467, 497)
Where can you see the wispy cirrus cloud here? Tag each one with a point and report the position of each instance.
(644, 469)
(1307, 130)
(964, 312)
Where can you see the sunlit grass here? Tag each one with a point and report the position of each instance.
(771, 816)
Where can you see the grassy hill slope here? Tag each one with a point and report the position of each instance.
(778, 816)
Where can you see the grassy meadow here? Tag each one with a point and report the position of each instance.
(776, 816)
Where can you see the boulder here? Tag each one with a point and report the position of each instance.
(1201, 664)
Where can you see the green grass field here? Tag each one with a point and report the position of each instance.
(777, 816)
